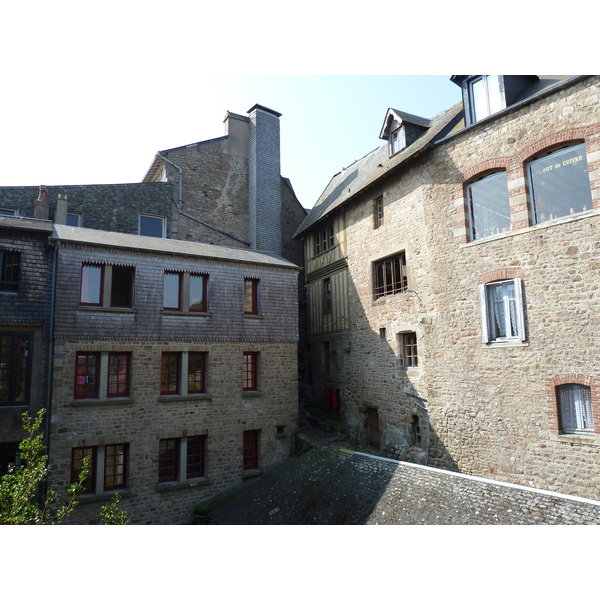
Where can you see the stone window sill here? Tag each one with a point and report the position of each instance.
(188, 398)
(106, 309)
(101, 401)
(180, 313)
(251, 394)
(103, 496)
(255, 317)
(251, 473)
(176, 485)
(579, 439)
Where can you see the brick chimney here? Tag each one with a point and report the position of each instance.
(264, 181)
(40, 206)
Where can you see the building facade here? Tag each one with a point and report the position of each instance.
(451, 280)
(157, 323)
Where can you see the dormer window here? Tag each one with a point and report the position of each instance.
(401, 129)
(397, 140)
(486, 95)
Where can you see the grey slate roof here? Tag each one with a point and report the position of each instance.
(126, 241)
(372, 167)
(377, 164)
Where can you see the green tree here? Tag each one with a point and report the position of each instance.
(21, 499)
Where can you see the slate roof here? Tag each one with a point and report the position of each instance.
(126, 241)
(376, 165)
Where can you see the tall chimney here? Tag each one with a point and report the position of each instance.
(264, 183)
(40, 206)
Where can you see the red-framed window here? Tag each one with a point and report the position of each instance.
(115, 466)
(196, 383)
(172, 290)
(121, 289)
(195, 456)
(87, 370)
(15, 367)
(251, 296)
(92, 284)
(118, 374)
(250, 382)
(77, 456)
(170, 370)
(198, 290)
(250, 451)
(168, 460)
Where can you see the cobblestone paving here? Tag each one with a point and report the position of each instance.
(332, 485)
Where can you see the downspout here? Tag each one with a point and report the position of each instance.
(50, 373)
(180, 204)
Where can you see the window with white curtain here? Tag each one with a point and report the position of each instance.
(575, 408)
(502, 311)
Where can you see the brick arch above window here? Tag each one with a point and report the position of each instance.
(500, 274)
(483, 169)
(552, 142)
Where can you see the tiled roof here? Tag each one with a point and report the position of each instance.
(126, 241)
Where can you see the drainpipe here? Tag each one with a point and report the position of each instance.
(180, 204)
(50, 357)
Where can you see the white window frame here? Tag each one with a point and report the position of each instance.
(397, 140)
(158, 218)
(486, 311)
(77, 216)
(9, 212)
(492, 98)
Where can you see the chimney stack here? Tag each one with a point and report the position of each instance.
(264, 183)
(40, 206)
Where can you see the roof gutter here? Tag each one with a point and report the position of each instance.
(180, 204)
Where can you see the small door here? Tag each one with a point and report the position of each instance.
(373, 428)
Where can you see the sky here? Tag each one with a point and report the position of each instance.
(90, 92)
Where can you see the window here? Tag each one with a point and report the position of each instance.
(486, 95)
(107, 467)
(152, 226)
(9, 212)
(250, 457)
(502, 311)
(251, 296)
(326, 296)
(180, 459)
(489, 210)
(559, 184)
(324, 240)
(10, 269)
(185, 292)
(108, 286)
(89, 368)
(118, 374)
(575, 408)
(408, 350)
(73, 220)
(415, 431)
(196, 373)
(378, 212)
(390, 276)
(397, 140)
(15, 367)
(170, 373)
(183, 373)
(250, 380)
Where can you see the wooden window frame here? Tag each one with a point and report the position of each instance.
(486, 306)
(168, 460)
(91, 265)
(409, 356)
(165, 377)
(15, 377)
(250, 372)
(203, 305)
(123, 285)
(251, 446)
(78, 385)
(378, 212)
(127, 364)
(191, 389)
(251, 295)
(117, 468)
(10, 273)
(195, 457)
(179, 276)
(77, 455)
(390, 276)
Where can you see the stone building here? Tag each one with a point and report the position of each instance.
(452, 278)
(171, 362)
(175, 369)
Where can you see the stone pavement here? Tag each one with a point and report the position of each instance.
(331, 484)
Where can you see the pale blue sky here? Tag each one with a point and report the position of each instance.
(90, 92)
